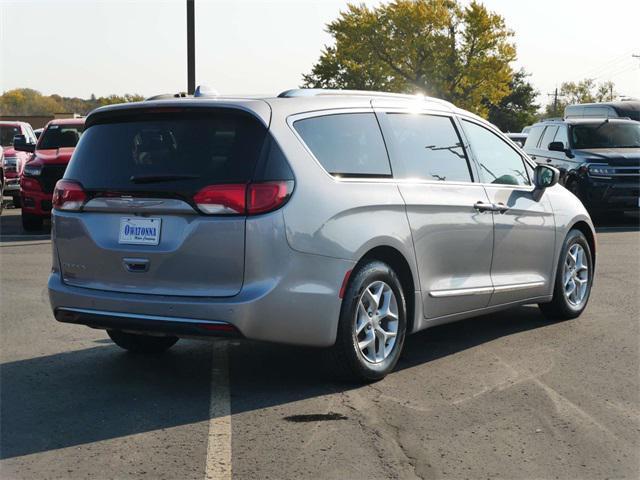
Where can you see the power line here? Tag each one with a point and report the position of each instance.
(607, 64)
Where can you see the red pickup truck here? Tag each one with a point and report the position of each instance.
(14, 160)
(45, 167)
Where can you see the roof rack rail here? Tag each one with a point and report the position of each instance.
(165, 96)
(316, 92)
(201, 91)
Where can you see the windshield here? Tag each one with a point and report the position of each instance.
(168, 152)
(7, 132)
(606, 135)
(60, 136)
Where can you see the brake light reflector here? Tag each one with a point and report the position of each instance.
(267, 196)
(68, 196)
(222, 199)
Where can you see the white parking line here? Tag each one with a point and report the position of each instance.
(218, 464)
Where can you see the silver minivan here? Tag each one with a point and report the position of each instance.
(336, 219)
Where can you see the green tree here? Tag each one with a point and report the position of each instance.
(26, 101)
(584, 91)
(518, 108)
(436, 47)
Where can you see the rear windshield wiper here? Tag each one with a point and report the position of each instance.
(161, 178)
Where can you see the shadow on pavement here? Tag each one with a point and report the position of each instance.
(11, 228)
(100, 393)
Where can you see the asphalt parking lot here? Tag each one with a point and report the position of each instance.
(508, 395)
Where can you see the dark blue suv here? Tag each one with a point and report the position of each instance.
(599, 159)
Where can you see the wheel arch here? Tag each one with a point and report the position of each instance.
(396, 260)
(588, 232)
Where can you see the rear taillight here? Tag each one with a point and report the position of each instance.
(69, 196)
(222, 199)
(243, 199)
(267, 196)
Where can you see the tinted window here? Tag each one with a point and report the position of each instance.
(547, 138)
(346, 144)
(606, 135)
(499, 163)
(534, 137)
(561, 136)
(7, 132)
(168, 152)
(427, 147)
(60, 136)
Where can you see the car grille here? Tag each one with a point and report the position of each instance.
(50, 175)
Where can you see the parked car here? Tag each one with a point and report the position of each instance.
(518, 138)
(40, 174)
(14, 160)
(38, 132)
(625, 109)
(343, 220)
(1, 179)
(599, 159)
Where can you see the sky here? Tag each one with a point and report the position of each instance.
(80, 47)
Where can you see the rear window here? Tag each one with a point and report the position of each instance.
(60, 136)
(172, 152)
(348, 144)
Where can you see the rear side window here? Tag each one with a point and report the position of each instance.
(534, 137)
(348, 144)
(499, 163)
(427, 147)
(169, 151)
(547, 138)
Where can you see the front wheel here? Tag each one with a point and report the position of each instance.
(137, 343)
(574, 277)
(372, 324)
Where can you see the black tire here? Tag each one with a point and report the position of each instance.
(136, 343)
(17, 201)
(559, 308)
(347, 361)
(30, 222)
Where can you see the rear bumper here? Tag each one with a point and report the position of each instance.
(300, 306)
(145, 323)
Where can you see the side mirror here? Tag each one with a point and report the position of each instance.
(559, 147)
(20, 144)
(546, 176)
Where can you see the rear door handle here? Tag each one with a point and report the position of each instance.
(483, 207)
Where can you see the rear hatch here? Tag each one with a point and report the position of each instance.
(143, 226)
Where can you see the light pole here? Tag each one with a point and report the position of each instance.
(191, 48)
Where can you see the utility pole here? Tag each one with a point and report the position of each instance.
(191, 48)
(555, 101)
